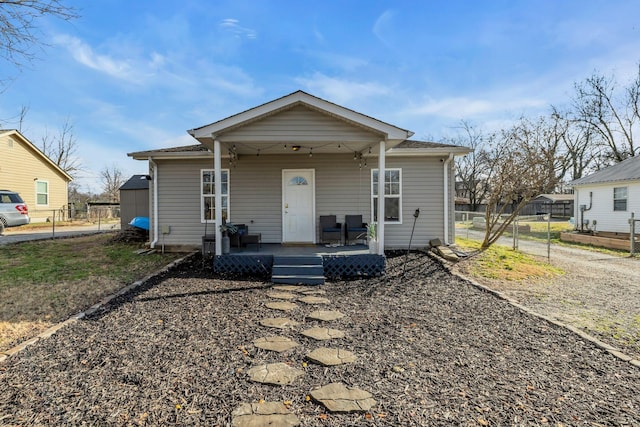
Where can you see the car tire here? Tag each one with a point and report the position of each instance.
(1, 227)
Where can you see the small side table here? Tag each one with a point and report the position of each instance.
(248, 239)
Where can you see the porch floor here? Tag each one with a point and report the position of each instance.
(278, 249)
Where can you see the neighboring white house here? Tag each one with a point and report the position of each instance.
(608, 197)
(279, 166)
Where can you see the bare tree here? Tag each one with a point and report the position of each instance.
(61, 149)
(19, 26)
(112, 179)
(611, 115)
(522, 162)
(470, 168)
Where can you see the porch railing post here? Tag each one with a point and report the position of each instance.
(381, 179)
(217, 176)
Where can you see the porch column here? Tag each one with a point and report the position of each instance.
(217, 176)
(381, 176)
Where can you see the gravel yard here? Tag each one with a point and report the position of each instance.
(598, 293)
(432, 350)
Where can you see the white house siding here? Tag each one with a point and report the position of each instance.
(602, 206)
(341, 188)
(300, 124)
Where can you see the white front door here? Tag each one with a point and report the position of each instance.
(298, 205)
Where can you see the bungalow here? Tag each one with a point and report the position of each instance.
(605, 200)
(280, 166)
(42, 184)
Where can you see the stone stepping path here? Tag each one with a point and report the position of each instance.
(278, 322)
(263, 414)
(314, 300)
(337, 397)
(292, 288)
(278, 344)
(315, 292)
(274, 373)
(331, 356)
(325, 315)
(281, 295)
(322, 334)
(282, 306)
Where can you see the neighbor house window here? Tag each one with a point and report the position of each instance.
(392, 195)
(42, 193)
(620, 199)
(207, 198)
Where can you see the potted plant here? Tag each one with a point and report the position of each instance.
(372, 238)
(227, 228)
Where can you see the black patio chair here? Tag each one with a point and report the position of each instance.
(354, 228)
(330, 229)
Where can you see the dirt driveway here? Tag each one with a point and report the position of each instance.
(598, 293)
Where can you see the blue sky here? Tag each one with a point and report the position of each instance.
(135, 75)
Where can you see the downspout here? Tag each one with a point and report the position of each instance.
(154, 203)
(446, 198)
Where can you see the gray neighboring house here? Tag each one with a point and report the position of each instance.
(134, 199)
(608, 197)
(281, 165)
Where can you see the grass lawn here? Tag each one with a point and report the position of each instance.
(47, 281)
(502, 262)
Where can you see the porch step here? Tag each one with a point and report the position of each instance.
(298, 270)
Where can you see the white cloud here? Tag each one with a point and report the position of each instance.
(342, 91)
(84, 54)
(233, 26)
(383, 26)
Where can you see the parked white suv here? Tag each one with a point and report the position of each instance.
(13, 210)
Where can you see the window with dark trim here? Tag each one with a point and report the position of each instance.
(620, 198)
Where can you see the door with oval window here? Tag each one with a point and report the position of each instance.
(298, 206)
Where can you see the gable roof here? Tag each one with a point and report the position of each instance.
(136, 182)
(627, 170)
(391, 133)
(21, 138)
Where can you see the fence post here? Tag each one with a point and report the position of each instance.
(53, 222)
(549, 237)
(632, 233)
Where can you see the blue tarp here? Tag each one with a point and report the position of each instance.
(140, 222)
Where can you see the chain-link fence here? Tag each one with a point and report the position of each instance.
(73, 214)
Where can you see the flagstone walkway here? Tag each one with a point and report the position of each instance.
(335, 397)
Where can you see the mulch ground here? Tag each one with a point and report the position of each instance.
(433, 350)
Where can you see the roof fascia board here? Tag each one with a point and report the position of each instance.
(428, 151)
(38, 152)
(160, 155)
